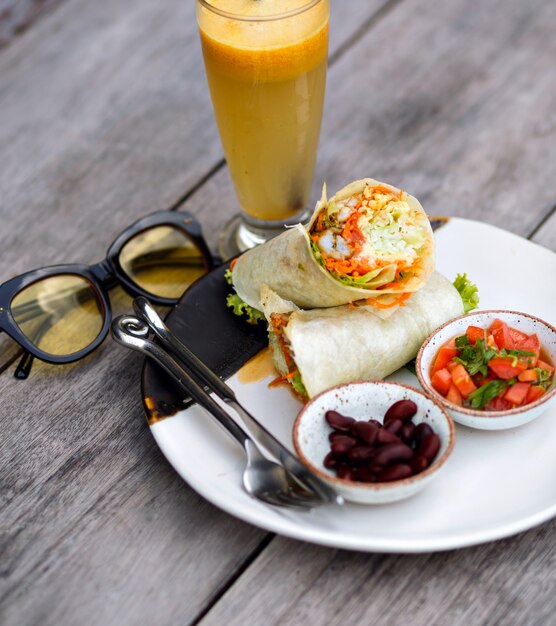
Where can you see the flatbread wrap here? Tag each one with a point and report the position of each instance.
(318, 349)
(370, 244)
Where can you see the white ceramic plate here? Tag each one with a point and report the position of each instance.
(496, 484)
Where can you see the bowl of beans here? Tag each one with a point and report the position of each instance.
(374, 441)
(491, 370)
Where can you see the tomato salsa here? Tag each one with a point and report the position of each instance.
(492, 369)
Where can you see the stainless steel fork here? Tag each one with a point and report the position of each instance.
(283, 482)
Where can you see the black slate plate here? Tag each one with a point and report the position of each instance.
(223, 341)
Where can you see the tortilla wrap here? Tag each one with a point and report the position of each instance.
(291, 264)
(342, 344)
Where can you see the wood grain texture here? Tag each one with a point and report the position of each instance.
(95, 525)
(505, 582)
(16, 16)
(444, 99)
(546, 234)
(106, 119)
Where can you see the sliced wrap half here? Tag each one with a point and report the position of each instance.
(371, 243)
(318, 349)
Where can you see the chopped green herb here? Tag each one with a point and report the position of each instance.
(479, 398)
(474, 358)
(228, 276)
(462, 342)
(544, 378)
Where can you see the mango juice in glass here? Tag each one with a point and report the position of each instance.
(266, 62)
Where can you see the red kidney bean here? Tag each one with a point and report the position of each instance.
(393, 452)
(402, 409)
(419, 463)
(360, 454)
(421, 431)
(394, 472)
(384, 437)
(365, 431)
(345, 472)
(339, 421)
(342, 444)
(429, 447)
(330, 460)
(364, 474)
(368, 451)
(407, 432)
(394, 426)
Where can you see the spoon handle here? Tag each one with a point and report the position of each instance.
(131, 332)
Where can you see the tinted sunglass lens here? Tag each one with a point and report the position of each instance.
(163, 261)
(60, 315)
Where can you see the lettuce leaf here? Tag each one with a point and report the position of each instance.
(468, 292)
(239, 307)
(298, 385)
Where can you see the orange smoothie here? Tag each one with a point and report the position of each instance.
(267, 81)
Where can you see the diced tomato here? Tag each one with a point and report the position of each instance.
(441, 381)
(446, 353)
(473, 333)
(517, 393)
(504, 368)
(528, 376)
(530, 344)
(534, 393)
(451, 365)
(454, 395)
(501, 334)
(498, 404)
(462, 380)
(517, 335)
(545, 366)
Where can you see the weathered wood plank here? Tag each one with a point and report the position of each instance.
(506, 582)
(546, 235)
(95, 525)
(16, 16)
(105, 117)
(445, 100)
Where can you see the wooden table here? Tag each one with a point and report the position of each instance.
(104, 117)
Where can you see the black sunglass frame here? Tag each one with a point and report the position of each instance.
(101, 276)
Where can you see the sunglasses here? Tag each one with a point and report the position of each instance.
(61, 313)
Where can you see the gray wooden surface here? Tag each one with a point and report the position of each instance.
(105, 116)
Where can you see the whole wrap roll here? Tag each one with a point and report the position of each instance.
(322, 348)
(295, 266)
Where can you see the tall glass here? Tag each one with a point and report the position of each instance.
(266, 67)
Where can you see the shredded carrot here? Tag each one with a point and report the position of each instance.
(279, 380)
(382, 305)
(352, 233)
(233, 262)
